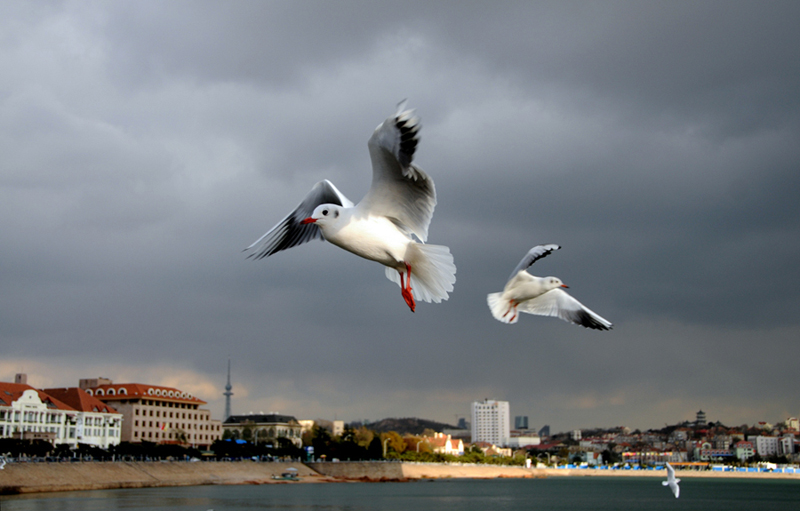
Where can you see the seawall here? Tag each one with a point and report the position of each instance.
(47, 477)
(389, 471)
(393, 471)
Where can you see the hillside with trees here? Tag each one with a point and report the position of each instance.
(406, 426)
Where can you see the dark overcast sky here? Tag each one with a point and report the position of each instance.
(145, 144)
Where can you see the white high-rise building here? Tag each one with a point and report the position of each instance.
(765, 445)
(491, 422)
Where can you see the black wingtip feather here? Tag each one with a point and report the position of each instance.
(585, 319)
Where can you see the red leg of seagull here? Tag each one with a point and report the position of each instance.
(406, 289)
(512, 305)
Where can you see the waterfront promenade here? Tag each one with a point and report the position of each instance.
(48, 477)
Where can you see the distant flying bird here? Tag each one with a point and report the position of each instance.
(671, 481)
(540, 295)
(399, 204)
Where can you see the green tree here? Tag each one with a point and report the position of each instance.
(364, 436)
(417, 444)
(610, 457)
(321, 441)
(375, 449)
(62, 451)
(16, 447)
(394, 443)
(90, 451)
(473, 455)
(348, 434)
(284, 447)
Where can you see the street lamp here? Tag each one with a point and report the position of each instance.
(419, 443)
(384, 447)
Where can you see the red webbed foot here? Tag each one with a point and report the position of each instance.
(405, 289)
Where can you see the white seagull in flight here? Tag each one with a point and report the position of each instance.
(671, 481)
(543, 296)
(399, 204)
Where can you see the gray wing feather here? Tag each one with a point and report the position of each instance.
(400, 190)
(533, 255)
(289, 232)
(559, 304)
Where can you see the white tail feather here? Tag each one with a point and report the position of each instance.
(501, 309)
(433, 272)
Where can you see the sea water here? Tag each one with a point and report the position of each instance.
(554, 493)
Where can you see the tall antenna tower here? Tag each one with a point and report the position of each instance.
(228, 393)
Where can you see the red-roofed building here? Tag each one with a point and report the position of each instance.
(97, 423)
(156, 413)
(28, 413)
(445, 444)
(489, 449)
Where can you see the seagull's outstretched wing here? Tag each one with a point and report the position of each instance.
(400, 190)
(289, 232)
(533, 255)
(672, 481)
(560, 304)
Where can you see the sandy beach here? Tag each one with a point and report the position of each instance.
(432, 470)
(552, 472)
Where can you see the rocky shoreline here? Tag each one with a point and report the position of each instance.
(19, 478)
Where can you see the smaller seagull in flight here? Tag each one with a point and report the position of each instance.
(398, 205)
(672, 481)
(543, 296)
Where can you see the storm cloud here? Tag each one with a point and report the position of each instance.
(145, 144)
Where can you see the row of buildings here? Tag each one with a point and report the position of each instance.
(690, 442)
(695, 443)
(101, 413)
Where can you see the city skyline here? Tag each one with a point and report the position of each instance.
(700, 416)
(146, 144)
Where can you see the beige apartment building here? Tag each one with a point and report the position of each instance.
(154, 413)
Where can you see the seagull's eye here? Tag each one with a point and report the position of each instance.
(335, 214)
(324, 212)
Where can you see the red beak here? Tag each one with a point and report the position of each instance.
(564, 285)
(308, 220)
